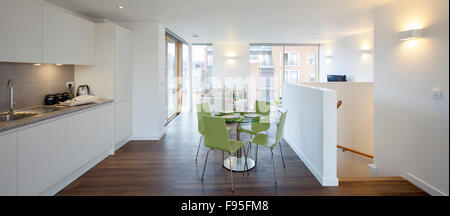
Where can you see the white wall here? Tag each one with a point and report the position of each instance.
(231, 60)
(355, 125)
(311, 129)
(411, 136)
(347, 58)
(149, 113)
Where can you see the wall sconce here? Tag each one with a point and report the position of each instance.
(366, 51)
(411, 34)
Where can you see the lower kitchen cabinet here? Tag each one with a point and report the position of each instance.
(41, 153)
(79, 140)
(43, 158)
(8, 166)
(123, 120)
(102, 129)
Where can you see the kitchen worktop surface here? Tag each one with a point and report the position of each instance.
(5, 126)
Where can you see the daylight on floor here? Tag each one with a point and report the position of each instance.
(224, 98)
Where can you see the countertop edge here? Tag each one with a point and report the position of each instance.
(6, 127)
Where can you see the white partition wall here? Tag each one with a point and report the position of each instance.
(311, 129)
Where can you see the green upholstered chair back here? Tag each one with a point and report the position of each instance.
(216, 134)
(262, 107)
(280, 128)
(202, 110)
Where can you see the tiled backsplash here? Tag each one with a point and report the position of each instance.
(32, 82)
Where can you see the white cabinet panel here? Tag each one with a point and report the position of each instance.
(79, 148)
(20, 31)
(124, 65)
(41, 153)
(58, 36)
(8, 165)
(84, 47)
(103, 129)
(123, 120)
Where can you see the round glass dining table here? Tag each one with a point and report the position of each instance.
(237, 119)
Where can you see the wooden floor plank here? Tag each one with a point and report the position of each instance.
(167, 167)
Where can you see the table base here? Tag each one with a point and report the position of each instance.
(238, 164)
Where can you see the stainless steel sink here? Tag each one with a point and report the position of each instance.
(41, 109)
(27, 112)
(6, 117)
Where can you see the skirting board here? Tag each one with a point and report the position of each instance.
(139, 137)
(423, 185)
(327, 181)
(75, 174)
(121, 143)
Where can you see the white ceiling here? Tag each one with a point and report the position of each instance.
(276, 21)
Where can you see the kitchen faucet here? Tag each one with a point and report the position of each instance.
(11, 96)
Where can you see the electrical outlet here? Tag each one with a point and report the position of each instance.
(69, 83)
(437, 93)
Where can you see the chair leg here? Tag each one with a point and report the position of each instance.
(282, 157)
(245, 164)
(198, 148)
(256, 158)
(204, 167)
(231, 174)
(273, 165)
(223, 157)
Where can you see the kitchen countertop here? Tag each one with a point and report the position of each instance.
(5, 126)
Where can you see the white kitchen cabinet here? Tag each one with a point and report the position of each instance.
(20, 31)
(103, 129)
(123, 65)
(58, 36)
(111, 77)
(41, 156)
(84, 45)
(123, 120)
(79, 140)
(8, 165)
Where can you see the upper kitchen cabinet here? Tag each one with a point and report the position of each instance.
(84, 45)
(58, 36)
(21, 31)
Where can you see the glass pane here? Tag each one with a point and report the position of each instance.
(202, 61)
(265, 71)
(185, 92)
(172, 82)
(303, 60)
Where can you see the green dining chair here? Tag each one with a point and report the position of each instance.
(271, 142)
(216, 137)
(203, 109)
(262, 108)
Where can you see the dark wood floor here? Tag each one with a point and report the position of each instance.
(167, 167)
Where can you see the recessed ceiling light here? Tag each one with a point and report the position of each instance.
(120, 6)
(194, 35)
(59, 64)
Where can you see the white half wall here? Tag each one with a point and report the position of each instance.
(148, 80)
(411, 137)
(344, 57)
(311, 129)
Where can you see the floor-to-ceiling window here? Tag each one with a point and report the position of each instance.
(202, 60)
(173, 76)
(271, 65)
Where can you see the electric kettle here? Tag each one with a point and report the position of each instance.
(83, 90)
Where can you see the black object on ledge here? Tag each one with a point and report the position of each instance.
(337, 78)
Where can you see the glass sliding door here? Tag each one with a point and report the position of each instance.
(272, 65)
(201, 71)
(173, 77)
